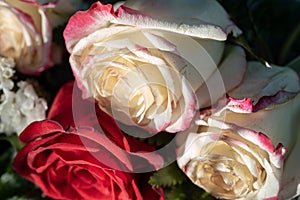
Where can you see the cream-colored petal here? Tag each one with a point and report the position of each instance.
(227, 76)
(278, 122)
(291, 173)
(261, 81)
(192, 12)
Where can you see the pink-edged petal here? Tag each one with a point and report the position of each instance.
(258, 138)
(261, 81)
(240, 106)
(99, 16)
(229, 74)
(277, 122)
(196, 143)
(84, 23)
(268, 101)
(188, 111)
(190, 13)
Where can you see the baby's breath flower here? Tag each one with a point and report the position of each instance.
(17, 109)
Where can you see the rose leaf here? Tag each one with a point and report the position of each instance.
(168, 176)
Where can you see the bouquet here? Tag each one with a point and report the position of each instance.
(149, 100)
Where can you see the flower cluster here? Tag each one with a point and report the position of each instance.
(17, 108)
(163, 103)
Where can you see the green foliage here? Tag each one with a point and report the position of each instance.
(188, 191)
(168, 176)
(12, 186)
(9, 145)
(176, 184)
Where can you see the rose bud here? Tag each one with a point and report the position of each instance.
(149, 70)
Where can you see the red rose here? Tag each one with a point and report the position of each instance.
(82, 162)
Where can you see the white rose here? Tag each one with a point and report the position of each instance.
(149, 68)
(25, 35)
(237, 151)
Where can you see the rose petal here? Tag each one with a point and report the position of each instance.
(33, 131)
(273, 121)
(291, 174)
(191, 13)
(84, 23)
(188, 112)
(201, 29)
(260, 81)
(229, 74)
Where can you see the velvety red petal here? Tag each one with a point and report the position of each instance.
(62, 102)
(39, 129)
(69, 109)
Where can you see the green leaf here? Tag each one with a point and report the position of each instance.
(11, 184)
(177, 185)
(168, 176)
(14, 187)
(176, 193)
(187, 191)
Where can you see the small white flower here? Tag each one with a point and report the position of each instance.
(6, 72)
(17, 109)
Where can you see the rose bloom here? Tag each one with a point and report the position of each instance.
(237, 151)
(147, 63)
(80, 163)
(26, 35)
